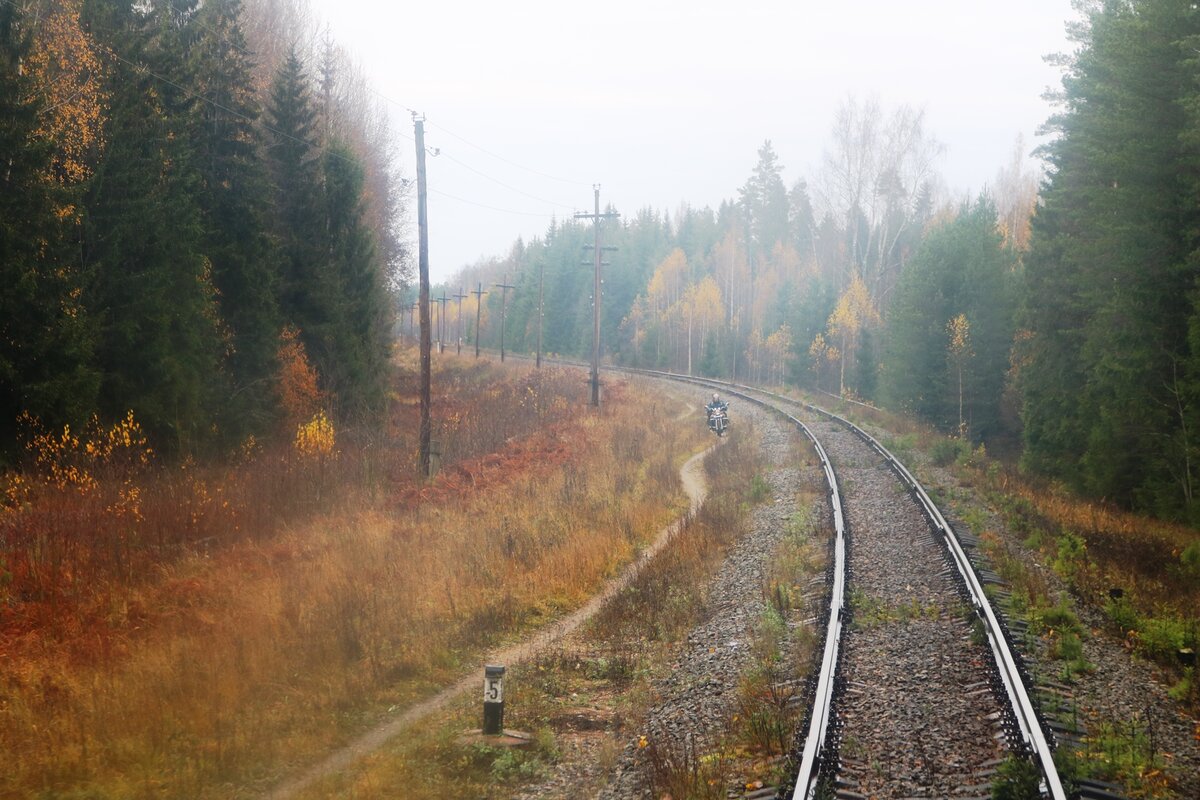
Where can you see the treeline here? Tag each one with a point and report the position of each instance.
(845, 282)
(196, 219)
(1108, 356)
(1066, 325)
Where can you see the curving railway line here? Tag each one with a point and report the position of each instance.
(920, 692)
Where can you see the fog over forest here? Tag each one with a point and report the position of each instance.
(236, 130)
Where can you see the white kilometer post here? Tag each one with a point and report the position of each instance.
(493, 700)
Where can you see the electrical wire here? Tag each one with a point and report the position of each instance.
(509, 161)
(540, 214)
(505, 185)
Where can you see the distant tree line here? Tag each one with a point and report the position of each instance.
(188, 215)
(1061, 324)
(823, 284)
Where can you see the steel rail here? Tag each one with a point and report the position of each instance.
(1006, 664)
(1024, 711)
(822, 701)
(1032, 734)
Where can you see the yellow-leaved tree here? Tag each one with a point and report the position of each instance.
(777, 346)
(959, 350)
(701, 306)
(665, 293)
(67, 72)
(854, 312)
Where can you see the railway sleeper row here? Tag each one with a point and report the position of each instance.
(1054, 706)
(1056, 722)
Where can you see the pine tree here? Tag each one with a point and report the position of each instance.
(765, 200)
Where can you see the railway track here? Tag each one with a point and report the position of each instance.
(920, 692)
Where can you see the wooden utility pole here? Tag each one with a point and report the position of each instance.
(479, 293)
(541, 312)
(442, 323)
(597, 251)
(503, 287)
(423, 269)
(434, 331)
(458, 327)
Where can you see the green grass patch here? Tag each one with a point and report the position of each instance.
(760, 490)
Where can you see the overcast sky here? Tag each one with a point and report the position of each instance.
(668, 102)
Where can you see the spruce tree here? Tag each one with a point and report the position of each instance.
(234, 199)
(961, 268)
(150, 281)
(357, 336)
(1109, 273)
(307, 289)
(45, 330)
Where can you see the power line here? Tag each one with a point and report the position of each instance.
(541, 214)
(509, 161)
(506, 186)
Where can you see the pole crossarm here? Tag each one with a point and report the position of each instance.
(503, 286)
(596, 217)
(479, 293)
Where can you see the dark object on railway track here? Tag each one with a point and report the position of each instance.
(718, 419)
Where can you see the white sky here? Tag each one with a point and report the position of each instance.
(666, 102)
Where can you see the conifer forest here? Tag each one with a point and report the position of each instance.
(189, 198)
(273, 501)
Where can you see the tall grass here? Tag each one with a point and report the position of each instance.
(237, 626)
(601, 677)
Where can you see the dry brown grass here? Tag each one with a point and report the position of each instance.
(1093, 547)
(217, 643)
(604, 675)
(1142, 556)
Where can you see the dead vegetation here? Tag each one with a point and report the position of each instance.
(234, 628)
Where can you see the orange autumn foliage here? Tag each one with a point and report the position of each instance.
(67, 75)
(300, 396)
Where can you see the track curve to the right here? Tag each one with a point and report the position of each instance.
(930, 698)
(919, 715)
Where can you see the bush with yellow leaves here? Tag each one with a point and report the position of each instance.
(315, 438)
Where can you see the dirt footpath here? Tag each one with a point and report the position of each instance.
(692, 476)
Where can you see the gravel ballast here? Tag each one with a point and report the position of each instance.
(694, 701)
(918, 717)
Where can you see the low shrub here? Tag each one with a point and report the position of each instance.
(947, 451)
